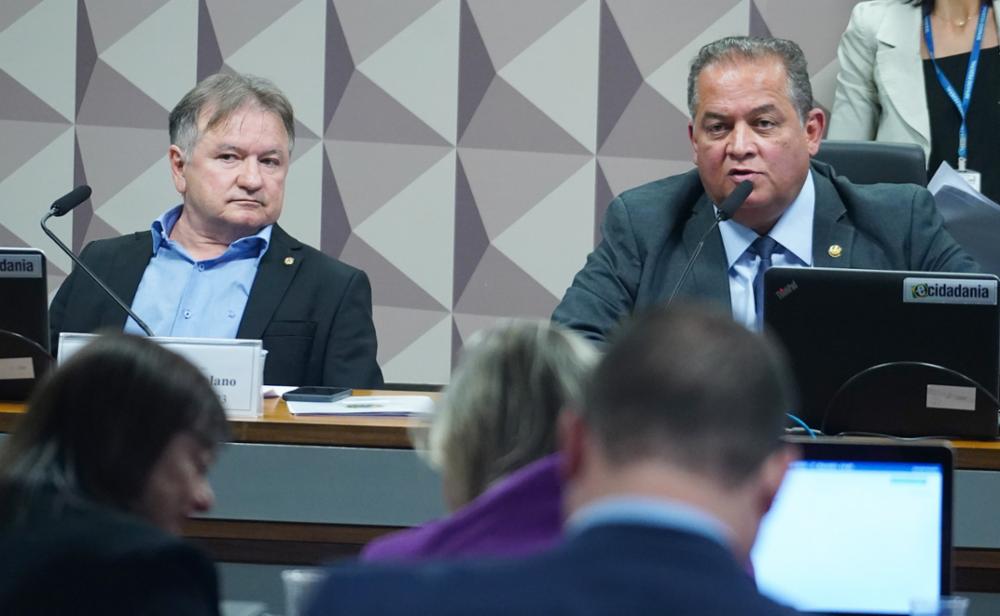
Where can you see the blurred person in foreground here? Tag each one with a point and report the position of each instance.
(670, 465)
(97, 479)
(494, 439)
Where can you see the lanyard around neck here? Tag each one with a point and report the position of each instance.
(970, 78)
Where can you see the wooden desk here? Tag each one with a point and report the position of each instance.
(301, 490)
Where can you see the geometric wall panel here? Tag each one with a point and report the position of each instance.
(303, 193)
(412, 360)
(290, 40)
(156, 55)
(670, 78)
(38, 49)
(399, 230)
(426, 51)
(566, 208)
(558, 73)
(461, 152)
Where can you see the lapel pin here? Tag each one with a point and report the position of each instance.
(291, 260)
(835, 250)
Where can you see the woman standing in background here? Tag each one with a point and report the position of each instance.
(916, 71)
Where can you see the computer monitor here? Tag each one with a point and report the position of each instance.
(24, 321)
(24, 289)
(859, 528)
(901, 353)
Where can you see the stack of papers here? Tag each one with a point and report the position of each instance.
(372, 406)
(971, 217)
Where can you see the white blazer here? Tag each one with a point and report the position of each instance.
(880, 88)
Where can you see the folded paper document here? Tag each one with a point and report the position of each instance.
(384, 406)
(971, 217)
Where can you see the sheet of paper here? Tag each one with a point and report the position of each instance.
(972, 218)
(275, 391)
(385, 406)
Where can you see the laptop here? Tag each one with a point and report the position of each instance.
(24, 321)
(859, 528)
(888, 352)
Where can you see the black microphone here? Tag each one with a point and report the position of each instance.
(726, 209)
(70, 200)
(62, 206)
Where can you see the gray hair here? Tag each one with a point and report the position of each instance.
(734, 48)
(499, 412)
(691, 387)
(223, 95)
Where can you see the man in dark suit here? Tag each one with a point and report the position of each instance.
(218, 265)
(752, 118)
(669, 468)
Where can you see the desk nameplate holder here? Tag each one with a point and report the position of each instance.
(234, 367)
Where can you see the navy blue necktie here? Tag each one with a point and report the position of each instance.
(763, 247)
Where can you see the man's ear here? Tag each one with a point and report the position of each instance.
(694, 147)
(772, 473)
(815, 126)
(572, 434)
(176, 159)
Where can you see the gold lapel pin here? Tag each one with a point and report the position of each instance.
(291, 260)
(835, 250)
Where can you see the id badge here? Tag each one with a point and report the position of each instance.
(974, 178)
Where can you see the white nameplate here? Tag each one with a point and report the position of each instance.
(949, 291)
(16, 368)
(951, 397)
(234, 367)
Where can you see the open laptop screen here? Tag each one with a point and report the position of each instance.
(24, 308)
(858, 529)
(904, 353)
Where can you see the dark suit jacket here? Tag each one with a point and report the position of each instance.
(312, 312)
(72, 557)
(651, 231)
(610, 569)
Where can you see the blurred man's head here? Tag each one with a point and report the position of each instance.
(231, 141)
(753, 118)
(686, 405)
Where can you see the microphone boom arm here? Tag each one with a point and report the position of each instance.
(142, 325)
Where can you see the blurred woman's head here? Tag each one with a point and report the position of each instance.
(499, 412)
(125, 423)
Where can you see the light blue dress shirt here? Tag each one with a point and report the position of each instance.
(793, 231)
(179, 296)
(649, 512)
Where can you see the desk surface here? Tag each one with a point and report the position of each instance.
(278, 426)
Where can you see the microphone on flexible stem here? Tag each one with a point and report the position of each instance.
(61, 207)
(727, 208)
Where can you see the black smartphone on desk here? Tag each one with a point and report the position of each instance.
(317, 394)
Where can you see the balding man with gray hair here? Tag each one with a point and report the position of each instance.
(752, 119)
(218, 265)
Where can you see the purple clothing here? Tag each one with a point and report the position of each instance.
(521, 514)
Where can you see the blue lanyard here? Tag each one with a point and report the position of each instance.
(970, 78)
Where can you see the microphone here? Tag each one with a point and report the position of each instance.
(62, 206)
(70, 200)
(726, 209)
